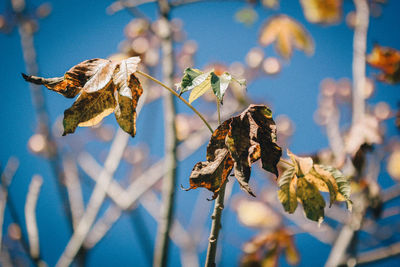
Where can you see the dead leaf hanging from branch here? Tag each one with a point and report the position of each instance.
(237, 143)
(104, 87)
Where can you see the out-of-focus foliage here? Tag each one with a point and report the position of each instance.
(387, 60)
(264, 249)
(286, 33)
(322, 11)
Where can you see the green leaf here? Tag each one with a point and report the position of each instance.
(343, 185)
(313, 202)
(187, 80)
(287, 193)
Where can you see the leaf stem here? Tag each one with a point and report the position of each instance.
(177, 95)
(286, 162)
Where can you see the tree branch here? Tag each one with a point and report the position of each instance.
(169, 182)
(30, 215)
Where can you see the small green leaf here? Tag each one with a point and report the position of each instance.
(287, 193)
(188, 78)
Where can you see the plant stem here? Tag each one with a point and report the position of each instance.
(215, 217)
(169, 182)
(177, 95)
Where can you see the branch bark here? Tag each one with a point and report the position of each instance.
(169, 183)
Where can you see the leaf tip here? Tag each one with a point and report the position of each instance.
(26, 77)
(186, 189)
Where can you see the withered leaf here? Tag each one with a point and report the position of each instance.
(104, 87)
(322, 11)
(213, 173)
(89, 109)
(286, 32)
(238, 142)
(83, 76)
(388, 61)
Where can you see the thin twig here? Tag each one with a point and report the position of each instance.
(30, 215)
(178, 96)
(74, 190)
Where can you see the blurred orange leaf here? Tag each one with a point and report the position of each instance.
(287, 33)
(387, 60)
(322, 11)
(265, 249)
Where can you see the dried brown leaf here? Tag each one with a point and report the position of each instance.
(238, 142)
(104, 87)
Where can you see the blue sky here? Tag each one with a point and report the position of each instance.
(78, 30)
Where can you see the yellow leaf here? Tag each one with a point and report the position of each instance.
(286, 32)
(200, 89)
(302, 165)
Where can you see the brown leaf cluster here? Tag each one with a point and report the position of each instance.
(387, 60)
(103, 86)
(236, 144)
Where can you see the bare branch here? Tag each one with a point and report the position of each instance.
(177, 234)
(359, 51)
(378, 254)
(6, 177)
(30, 215)
(74, 190)
(102, 226)
(96, 199)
